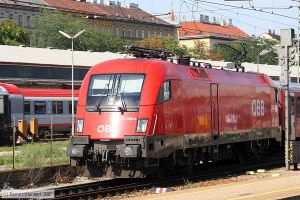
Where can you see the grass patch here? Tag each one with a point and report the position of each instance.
(35, 155)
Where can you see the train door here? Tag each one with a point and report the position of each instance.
(214, 110)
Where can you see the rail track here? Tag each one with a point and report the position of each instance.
(118, 186)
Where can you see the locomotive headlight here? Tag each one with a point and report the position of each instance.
(79, 126)
(142, 125)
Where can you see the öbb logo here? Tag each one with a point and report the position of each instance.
(104, 129)
(258, 107)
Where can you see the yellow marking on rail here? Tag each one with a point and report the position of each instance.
(210, 190)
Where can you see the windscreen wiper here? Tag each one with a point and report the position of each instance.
(124, 107)
(99, 101)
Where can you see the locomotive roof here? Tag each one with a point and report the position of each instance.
(42, 92)
(9, 89)
(176, 71)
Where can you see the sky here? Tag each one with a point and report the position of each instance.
(249, 20)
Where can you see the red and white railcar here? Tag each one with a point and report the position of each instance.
(137, 115)
(46, 105)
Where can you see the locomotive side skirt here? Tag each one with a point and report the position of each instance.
(161, 146)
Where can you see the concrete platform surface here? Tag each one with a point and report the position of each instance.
(284, 186)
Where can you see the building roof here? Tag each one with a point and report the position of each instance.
(109, 11)
(53, 57)
(76, 6)
(118, 12)
(24, 3)
(194, 29)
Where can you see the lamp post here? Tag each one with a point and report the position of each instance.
(72, 39)
(262, 53)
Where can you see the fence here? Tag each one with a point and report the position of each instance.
(49, 150)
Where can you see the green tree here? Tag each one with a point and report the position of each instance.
(201, 51)
(163, 43)
(12, 34)
(253, 47)
(46, 33)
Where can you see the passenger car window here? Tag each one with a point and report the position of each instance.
(26, 107)
(40, 107)
(57, 107)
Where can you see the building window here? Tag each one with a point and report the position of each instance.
(26, 107)
(40, 107)
(155, 33)
(117, 31)
(11, 16)
(130, 32)
(1, 15)
(143, 34)
(96, 27)
(108, 28)
(28, 22)
(57, 107)
(136, 33)
(102, 27)
(20, 20)
(70, 107)
(123, 32)
(149, 34)
(161, 34)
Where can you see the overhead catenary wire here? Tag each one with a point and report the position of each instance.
(246, 8)
(247, 15)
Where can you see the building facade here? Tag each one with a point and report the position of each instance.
(129, 23)
(21, 11)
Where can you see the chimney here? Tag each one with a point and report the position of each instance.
(206, 19)
(172, 13)
(133, 6)
(223, 22)
(274, 32)
(230, 22)
(270, 31)
(202, 18)
(112, 3)
(214, 20)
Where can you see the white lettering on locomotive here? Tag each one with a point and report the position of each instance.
(104, 129)
(258, 107)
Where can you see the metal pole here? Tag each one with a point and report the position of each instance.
(72, 86)
(287, 108)
(258, 63)
(298, 42)
(14, 142)
(51, 142)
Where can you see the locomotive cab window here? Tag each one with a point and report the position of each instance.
(26, 107)
(115, 92)
(40, 107)
(57, 107)
(164, 93)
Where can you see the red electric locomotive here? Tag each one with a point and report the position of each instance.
(138, 115)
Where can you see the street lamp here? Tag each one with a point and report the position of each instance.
(72, 39)
(262, 53)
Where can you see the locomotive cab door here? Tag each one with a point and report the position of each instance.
(214, 99)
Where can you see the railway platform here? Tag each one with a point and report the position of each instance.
(286, 186)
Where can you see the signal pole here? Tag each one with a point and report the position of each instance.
(286, 43)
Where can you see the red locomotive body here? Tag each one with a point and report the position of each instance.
(137, 115)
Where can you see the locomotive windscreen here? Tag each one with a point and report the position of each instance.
(115, 92)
